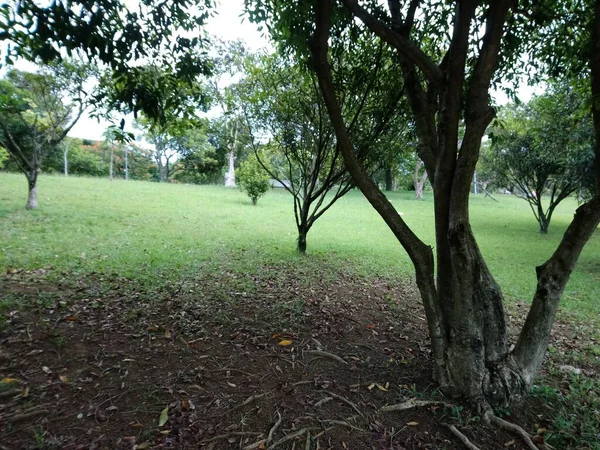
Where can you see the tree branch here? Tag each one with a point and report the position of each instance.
(403, 45)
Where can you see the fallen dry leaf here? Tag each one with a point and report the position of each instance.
(285, 342)
(9, 380)
(412, 424)
(63, 378)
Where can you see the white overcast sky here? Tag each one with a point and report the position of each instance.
(227, 25)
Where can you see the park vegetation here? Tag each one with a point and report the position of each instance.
(357, 94)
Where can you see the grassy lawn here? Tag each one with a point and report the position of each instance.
(159, 290)
(156, 232)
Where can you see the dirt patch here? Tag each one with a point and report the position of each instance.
(221, 362)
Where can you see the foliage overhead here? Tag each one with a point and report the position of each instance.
(151, 50)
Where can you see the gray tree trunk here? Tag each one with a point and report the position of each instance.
(32, 202)
(126, 164)
(112, 160)
(419, 181)
(66, 159)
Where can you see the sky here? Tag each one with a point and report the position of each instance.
(226, 25)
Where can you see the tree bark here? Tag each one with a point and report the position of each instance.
(302, 241)
(32, 202)
(419, 181)
(66, 159)
(112, 161)
(462, 301)
(389, 179)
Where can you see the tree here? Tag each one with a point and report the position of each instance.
(286, 114)
(200, 161)
(117, 37)
(37, 110)
(419, 180)
(448, 68)
(545, 149)
(253, 179)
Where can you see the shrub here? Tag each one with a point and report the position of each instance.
(253, 179)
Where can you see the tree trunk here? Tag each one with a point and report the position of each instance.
(302, 232)
(112, 162)
(32, 202)
(419, 181)
(389, 179)
(464, 304)
(126, 164)
(66, 159)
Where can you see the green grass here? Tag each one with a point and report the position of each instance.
(161, 232)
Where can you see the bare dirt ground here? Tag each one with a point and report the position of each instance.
(224, 363)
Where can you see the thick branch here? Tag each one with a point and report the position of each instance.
(405, 46)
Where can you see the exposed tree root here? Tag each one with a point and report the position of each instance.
(255, 445)
(27, 415)
(347, 402)
(292, 436)
(220, 437)
(244, 403)
(273, 429)
(343, 423)
(326, 355)
(462, 438)
(514, 428)
(308, 443)
(322, 402)
(8, 394)
(413, 403)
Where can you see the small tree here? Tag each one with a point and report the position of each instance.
(545, 150)
(253, 179)
(37, 110)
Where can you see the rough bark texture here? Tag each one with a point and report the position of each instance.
(302, 241)
(419, 180)
(32, 202)
(463, 302)
(389, 179)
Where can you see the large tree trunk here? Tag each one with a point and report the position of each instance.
(32, 202)
(462, 301)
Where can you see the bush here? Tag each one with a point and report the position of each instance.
(253, 179)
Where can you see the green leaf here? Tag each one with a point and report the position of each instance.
(164, 416)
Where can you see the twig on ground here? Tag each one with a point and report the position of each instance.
(346, 401)
(307, 445)
(322, 402)
(273, 430)
(27, 415)
(220, 437)
(300, 383)
(462, 438)
(292, 436)
(256, 445)
(515, 429)
(244, 403)
(10, 393)
(343, 423)
(327, 355)
(413, 403)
